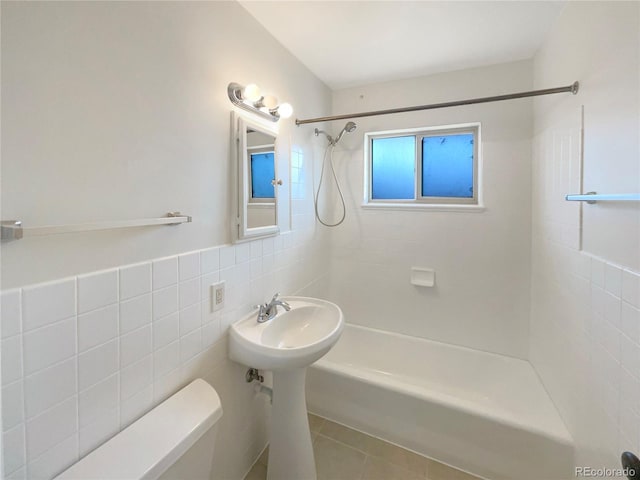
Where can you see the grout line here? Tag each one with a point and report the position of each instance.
(153, 361)
(581, 179)
(351, 447)
(135, 297)
(24, 402)
(52, 324)
(101, 307)
(77, 362)
(118, 380)
(95, 347)
(55, 405)
(52, 365)
(16, 334)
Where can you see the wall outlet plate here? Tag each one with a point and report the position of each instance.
(218, 296)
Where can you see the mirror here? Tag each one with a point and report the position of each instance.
(257, 182)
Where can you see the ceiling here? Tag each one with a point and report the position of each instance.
(350, 43)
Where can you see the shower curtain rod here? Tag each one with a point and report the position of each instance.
(573, 88)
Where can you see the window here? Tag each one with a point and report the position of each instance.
(423, 167)
(262, 176)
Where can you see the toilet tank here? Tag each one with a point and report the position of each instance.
(175, 440)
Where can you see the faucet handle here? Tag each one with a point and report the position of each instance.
(262, 307)
(262, 312)
(275, 297)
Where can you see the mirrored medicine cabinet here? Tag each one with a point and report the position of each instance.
(254, 164)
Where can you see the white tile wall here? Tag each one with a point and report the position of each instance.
(190, 317)
(166, 330)
(54, 459)
(94, 434)
(165, 272)
(47, 303)
(10, 313)
(11, 359)
(135, 313)
(135, 345)
(98, 401)
(227, 257)
(48, 345)
(189, 293)
(136, 377)
(97, 290)
(209, 260)
(12, 405)
(97, 364)
(481, 296)
(135, 280)
(97, 327)
(13, 442)
(585, 320)
(165, 301)
(51, 427)
(84, 357)
(50, 386)
(189, 266)
(134, 406)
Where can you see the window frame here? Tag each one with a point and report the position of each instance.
(426, 202)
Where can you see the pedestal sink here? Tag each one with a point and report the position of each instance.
(287, 344)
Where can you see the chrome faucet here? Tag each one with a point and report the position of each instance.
(270, 310)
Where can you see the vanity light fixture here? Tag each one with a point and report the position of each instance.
(251, 99)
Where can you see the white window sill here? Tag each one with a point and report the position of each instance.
(425, 207)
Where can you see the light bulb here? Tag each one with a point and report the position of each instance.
(251, 93)
(270, 102)
(285, 110)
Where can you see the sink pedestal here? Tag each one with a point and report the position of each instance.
(290, 448)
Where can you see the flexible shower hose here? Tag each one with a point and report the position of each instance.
(329, 151)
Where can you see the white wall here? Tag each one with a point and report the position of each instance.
(117, 111)
(585, 320)
(481, 298)
(120, 111)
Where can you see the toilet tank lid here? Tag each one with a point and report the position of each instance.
(151, 444)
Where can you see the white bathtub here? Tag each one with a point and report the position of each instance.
(484, 413)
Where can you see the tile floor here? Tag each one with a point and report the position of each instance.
(345, 454)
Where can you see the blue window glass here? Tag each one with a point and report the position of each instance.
(262, 173)
(447, 166)
(393, 168)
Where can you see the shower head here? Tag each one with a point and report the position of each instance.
(349, 127)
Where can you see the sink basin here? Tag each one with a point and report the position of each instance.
(292, 339)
